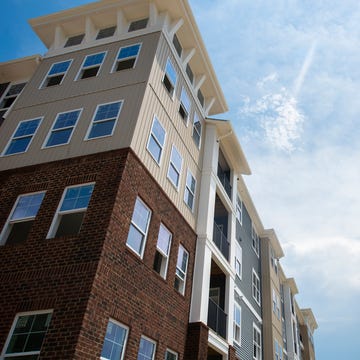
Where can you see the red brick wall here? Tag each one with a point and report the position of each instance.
(93, 276)
(197, 342)
(127, 288)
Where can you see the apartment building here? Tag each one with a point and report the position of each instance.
(127, 230)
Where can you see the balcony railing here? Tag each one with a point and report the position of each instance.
(224, 180)
(217, 319)
(221, 241)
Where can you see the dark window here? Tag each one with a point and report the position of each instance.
(74, 40)
(189, 73)
(138, 24)
(107, 32)
(177, 45)
(201, 97)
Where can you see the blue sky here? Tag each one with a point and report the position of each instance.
(290, 73)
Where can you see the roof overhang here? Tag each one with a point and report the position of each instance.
(274, 241)
(102, 13)
(310, 318)
(292, 285)
(231, 145)
(18, 69)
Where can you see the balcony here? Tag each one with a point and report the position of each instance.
(224, 179)
(221, 241)
(217, 319)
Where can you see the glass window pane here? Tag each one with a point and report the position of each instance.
(154, 149)
(77, 197)
(170, 72)
(173, 175)
(95, 59)
(66, 119)
(27, 206)
(185, 100)
(164, 238)
(135, 239)
(59, 68)
(102, 129)
(18, 146)
(129, 51)
(141, 215)
(108, 111)
(59, 137)
(176, 159)
(146, 350)
(27, 128)
(158, 131)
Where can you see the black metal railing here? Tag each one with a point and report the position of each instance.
(217, 318)
(224, 180)
(221, 241)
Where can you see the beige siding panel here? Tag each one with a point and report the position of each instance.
(105, 80)
(124, 129)
(150, 107)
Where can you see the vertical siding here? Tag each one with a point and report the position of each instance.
(250, 259)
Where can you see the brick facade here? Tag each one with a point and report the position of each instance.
(89, 278)
(197, 344)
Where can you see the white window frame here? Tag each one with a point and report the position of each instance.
(157, 141)
(117, 60)
(256, 287)
(44, 146)
(117, 323)
(189, 190)
(255, 240)
(57, 217)
(63, 73)
(145, 234)
(22, 136)
(236, 325)
(84, 68)
(239, 209)
(173, 90)
(103, 120)
(238, 260)
(6, 96)
(151, 341)
(7, 342)
(168, 351)
(165, 256)
(255, 344)
(185, 105)
(184, 273)
(171, 164)
(6, 229)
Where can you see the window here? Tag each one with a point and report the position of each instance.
(255, 240)
(189, 73)
(104, 121)
(238, 260)
(126, 58)
(256, 286)
(256, 343)
(138, 24)
(91, 65)
(273, 260)
(201, 97)
(21, 218)
(189, 195)
(22, 137)
(10, 97)
(162, 251)
(197, 127)
(181, 269)
(146, 349)
(71, 211)
(114, 342)
(156, 140)
(276, 304)
(185, 105)
(276, 345)
(170, 77)
(237, 323)
(171, 355)
(106, 32)
(175, 166)
(74, 40)
(239, 210)
(177, 45)
(139, 227)
(56, 74)
(27, 335)
(62, 128)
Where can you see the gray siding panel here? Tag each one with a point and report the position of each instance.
(249, 258)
